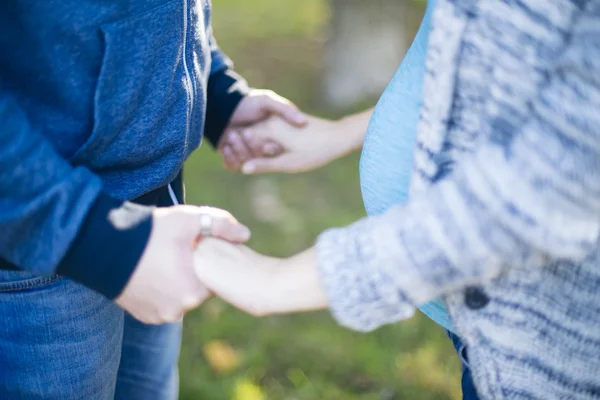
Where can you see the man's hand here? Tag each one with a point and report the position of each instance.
(164, 284)
(256, 107)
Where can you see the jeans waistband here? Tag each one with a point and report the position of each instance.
(460, 348)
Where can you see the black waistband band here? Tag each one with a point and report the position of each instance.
(161, 197)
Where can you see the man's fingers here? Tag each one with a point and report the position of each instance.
(194, 223)
(190, 302)
(221, 224)
(230, 230)
(285, 109)
(282, 163)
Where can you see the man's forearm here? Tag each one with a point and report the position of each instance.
(224, 92)
(55, 218)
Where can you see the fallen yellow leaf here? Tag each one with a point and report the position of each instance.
(221, 356)
(246, 390)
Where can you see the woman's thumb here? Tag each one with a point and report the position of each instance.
(264, 165)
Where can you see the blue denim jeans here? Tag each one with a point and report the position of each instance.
(468, 387)
(62, 341)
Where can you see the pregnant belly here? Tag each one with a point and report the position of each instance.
(387, 158)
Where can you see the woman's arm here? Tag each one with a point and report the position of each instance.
(258, 284)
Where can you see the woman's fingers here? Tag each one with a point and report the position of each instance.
(262, 144)
(230, 161)
(272, 149)
(238, 146)
(282, 163)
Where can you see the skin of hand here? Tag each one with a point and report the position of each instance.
(316, 144)
(258, 284)
(164, 284)
(257, 106)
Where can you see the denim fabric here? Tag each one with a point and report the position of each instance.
(467, 385)
(387, 159)
(62, 341)
(149, 356)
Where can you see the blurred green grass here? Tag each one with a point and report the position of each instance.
(228, 355)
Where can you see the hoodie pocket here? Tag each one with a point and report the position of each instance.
(142, 103)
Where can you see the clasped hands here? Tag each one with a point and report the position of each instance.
(179, 269)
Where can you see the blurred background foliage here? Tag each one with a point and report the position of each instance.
(227, 355)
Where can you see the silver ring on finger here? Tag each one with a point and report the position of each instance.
(206, 225)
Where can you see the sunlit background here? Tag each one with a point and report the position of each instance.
(226, 355)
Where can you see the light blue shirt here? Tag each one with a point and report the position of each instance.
(387, 158)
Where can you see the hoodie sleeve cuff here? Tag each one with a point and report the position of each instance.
(109, 245)
(224, 92)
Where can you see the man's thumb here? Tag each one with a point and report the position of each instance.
(288, 111)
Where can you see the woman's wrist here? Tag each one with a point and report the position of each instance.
(296, 284)
(344, 137)
(353, 128)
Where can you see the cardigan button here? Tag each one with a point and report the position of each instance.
(475, 298)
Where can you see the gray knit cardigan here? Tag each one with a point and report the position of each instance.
(503, 219)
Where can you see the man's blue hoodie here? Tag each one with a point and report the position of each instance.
(101, 102)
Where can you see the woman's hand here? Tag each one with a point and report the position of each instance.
(257, 106)
(257, 284)
(312, 146)
(237, 274)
